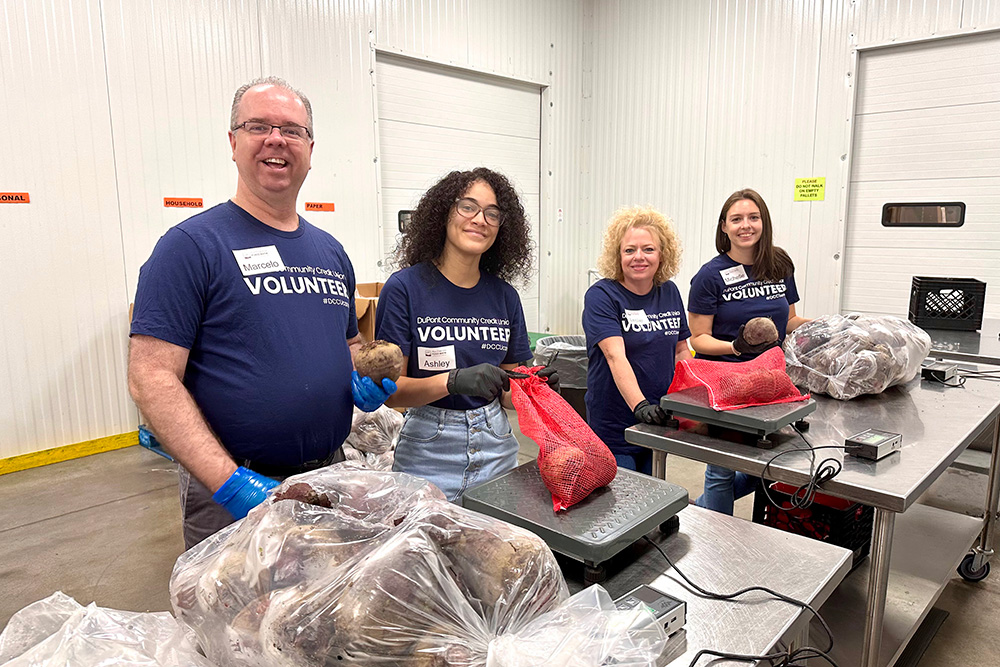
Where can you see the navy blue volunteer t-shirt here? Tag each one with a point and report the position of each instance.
(727, 289)
(266, 316)
(440, 326)
(651, 326)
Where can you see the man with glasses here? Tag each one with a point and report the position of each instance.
(244, 327)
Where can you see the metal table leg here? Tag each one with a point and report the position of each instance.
(878, 583)
(659, 464)
(983, 552)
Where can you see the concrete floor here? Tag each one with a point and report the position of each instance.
(106, 528)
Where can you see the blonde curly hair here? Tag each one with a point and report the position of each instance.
(660, 226)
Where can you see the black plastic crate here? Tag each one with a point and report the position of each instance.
(947, 303)
(829, 519)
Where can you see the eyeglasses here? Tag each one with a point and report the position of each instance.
(258, 129)
(469, 208)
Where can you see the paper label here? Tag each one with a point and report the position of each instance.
(733, 275)
(436, 358)
(810, 189)
(636, 317)
(254, 261)
(319, 206)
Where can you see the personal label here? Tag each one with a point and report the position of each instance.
(254, 261)
(319, 206)
(14, 198)
(436, 358)
(733, 275)
(636, 317)
(183, 202)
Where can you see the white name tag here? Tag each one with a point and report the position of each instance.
(436, 358)
(264, 259)
(636, 317)
(733, 275)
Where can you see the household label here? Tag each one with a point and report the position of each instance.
(810, 189)
(183, 202)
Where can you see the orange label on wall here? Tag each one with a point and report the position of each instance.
(17, 198)
(182, 202)
(319, 206)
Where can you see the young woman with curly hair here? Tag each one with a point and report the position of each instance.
(453, 312)
(750, 277)
(636, 330)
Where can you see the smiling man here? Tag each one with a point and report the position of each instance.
(244, 326)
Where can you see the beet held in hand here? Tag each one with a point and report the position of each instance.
(378, 360)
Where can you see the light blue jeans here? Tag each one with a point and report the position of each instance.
(456, 449)
(723, 487)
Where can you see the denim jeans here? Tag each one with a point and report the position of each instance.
(456, 449)
(723, 487)
(640, 462)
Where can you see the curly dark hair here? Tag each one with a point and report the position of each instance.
(509, 258)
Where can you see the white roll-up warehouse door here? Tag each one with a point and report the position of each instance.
(927, 131)
(434, 119)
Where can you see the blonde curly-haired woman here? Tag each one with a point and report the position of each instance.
(636, 329)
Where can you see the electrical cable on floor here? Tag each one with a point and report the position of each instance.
(786, 658)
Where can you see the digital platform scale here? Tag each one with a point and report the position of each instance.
(760, 421)
(596, 528)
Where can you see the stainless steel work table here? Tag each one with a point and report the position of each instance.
(936, 423)
(724, 554)
(981, 347)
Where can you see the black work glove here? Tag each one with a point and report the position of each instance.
(741, 346)
(484, 380)
(551, 377)
(647, 413)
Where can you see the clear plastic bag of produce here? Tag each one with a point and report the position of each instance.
(584, 631)
(60, 632)
(846, 356)
(345, 566)
(375, 432)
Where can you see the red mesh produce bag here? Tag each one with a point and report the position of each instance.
(572, 459)
(761, 381)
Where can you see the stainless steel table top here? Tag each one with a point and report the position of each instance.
(724, 554)
(981, 346)
(936, 423)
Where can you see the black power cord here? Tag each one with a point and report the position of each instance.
(786, 658)
(804, 495)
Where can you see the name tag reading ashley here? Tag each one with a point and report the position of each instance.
(636, 317)
(436, 358)
(264, 259)
(733, 275)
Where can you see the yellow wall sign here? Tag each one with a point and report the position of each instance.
(810, 189)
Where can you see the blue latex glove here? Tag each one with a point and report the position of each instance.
(368, 395)
(243, 491)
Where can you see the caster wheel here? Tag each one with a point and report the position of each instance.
(966, 572)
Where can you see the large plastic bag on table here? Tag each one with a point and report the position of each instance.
(585, 631)
(572, 460)
(846, 356)
(344, 566)
(375, 432)
(730, 386)
(60, 632)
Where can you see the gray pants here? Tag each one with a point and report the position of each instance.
(203, 516)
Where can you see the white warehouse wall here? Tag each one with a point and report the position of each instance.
(694, 99)
(113, 105)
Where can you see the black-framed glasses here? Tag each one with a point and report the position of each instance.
(258, 129)
(469, 208)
